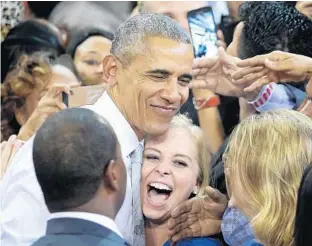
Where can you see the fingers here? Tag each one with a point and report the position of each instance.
(181, 223)
(260, 59)
(54, 91)
(215, 195)
(246, 71)
(178, 220)
(53, 103)
(54, 97)
(202, 228)
(228, 61)
(204, 62)
(221, 40)
(285, 65)
(199, 71)
(199, 84)
(258, 84)
(186, 233)
(221, 44)
(224, 57)
(251, 78)
(251, 62)
(184, 207)
(220, 35)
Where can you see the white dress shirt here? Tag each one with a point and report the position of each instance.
(23, 211)
(96, 218)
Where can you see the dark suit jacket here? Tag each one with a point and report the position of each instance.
(78, 232)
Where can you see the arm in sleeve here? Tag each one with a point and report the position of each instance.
(278, 96)
(23, 210)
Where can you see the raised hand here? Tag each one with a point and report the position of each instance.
(198, 217)
(278, 67)
(48, 105)
(221, 40)
(215, 74)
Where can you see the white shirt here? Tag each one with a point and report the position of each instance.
(23, 211)
(96, 218)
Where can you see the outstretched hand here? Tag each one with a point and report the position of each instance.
(278, 67)
(214, 73)
(198, 217)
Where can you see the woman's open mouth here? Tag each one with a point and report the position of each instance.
(158, 193)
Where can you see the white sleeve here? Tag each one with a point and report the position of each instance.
(273, 96)
(23, 210)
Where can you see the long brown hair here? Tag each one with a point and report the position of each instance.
(29, 72)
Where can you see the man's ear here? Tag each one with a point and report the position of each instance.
(110, 70)
(111, 177)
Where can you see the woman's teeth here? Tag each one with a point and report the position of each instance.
(160, 186)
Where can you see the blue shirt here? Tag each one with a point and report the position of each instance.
(252, 243)
(235, 228)
(198, 241)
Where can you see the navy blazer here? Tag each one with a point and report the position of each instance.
(78, 232)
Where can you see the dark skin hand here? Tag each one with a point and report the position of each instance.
(278, 67)
(198, 217)
(214, 73)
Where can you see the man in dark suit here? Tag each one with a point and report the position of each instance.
(78, 164)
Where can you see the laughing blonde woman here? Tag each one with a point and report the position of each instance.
(175, 168)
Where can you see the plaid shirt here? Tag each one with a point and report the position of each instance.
(235, 228)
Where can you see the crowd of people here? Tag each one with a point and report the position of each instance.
(177, 150)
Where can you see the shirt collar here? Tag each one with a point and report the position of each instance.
(127, 138)
(96, 218)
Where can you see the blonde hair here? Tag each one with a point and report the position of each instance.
(266, 156)
(182, 121)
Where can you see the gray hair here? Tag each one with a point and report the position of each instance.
(130, 35)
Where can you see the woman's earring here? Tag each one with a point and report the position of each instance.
(195, 190)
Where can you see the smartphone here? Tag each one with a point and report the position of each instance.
(203, 32)
(83, 95)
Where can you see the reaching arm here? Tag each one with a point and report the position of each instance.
(277, 96)
(198, 217)
(24, 213)
(209, 121)
(279, 67)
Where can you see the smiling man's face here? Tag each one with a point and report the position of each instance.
(155, 84)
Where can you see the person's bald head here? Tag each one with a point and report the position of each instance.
(175, 10)
(77, 159)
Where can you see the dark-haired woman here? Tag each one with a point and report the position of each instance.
(88, 50)
(27, 38)
(30, 93)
